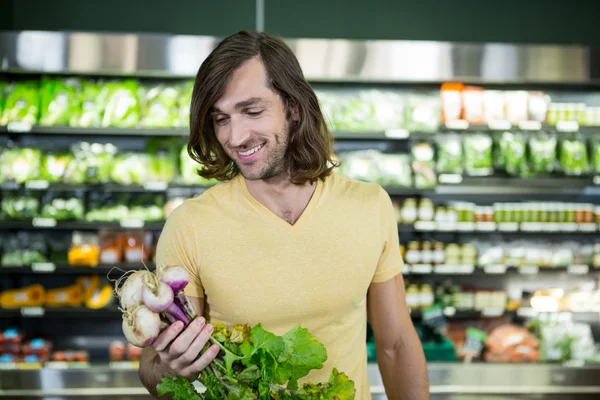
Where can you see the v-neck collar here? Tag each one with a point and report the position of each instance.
(270, 215)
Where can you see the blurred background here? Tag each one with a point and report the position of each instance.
(480, 119)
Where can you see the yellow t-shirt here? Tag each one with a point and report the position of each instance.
(251, 266)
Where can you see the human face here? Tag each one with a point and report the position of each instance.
(250, 123)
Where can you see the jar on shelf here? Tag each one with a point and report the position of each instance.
(427, 298)
(589, 214)
(413, 297)
(439, 254)
(426, 253)
(408, 213)
(413, 253)
(426, 210)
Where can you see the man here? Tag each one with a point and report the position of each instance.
(283, 240)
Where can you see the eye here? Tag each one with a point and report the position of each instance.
(254, 113)
(221, 120)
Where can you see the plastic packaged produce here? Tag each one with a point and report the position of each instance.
(356, 113)
(93, 99)
(84, 250)
(423, 113)
(92, 163)
(63, 208)
(478, 155)
(22, 104)
(163, 159)
(59, 101)
(3, 94)
(513, 149)
(473, 104)
(450, 155)
(105, 207)
(159, 106)
(516, 106)
(185, 101)
(452, 102)
(329, 105)
(188, 170)
(362, 165)
(123, 106)
(54, 166)
(511, 343)
(596, 156)
(19, 207)
(538, 104)
(20, 164)
(542, 153)
(147, 208)
(395, 170)
(574, 157)
(131, 168)
(423, 166)
(389, 109)
(493, 106)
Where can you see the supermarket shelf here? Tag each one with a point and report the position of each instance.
(499, 269)
(58, 130)
(533, 126)
(455, 315)
(40, 185)
(47, 223)
(66, 269)
(60, 312)
(491, 227)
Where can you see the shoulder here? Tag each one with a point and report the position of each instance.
(341, 186)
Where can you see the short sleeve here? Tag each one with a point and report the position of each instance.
(177, 246)
(390, 261)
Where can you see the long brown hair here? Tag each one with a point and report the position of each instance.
(310, 144)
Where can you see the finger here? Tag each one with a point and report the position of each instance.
(203, 362)
(195, 348)
(166, 337)
(186, 337)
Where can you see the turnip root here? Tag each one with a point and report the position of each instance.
(130, 294)
(141, 326)
(175, 276)
(182, 301)
(156, 295)
(175, 311)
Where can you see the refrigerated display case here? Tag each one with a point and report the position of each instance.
(494, 174)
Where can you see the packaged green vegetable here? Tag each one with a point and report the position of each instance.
(92, 163)
(596, 156)
(395, 170)
(19, 207)
(362, 165)
(188, 170)
(93, 100)
(423, 166)
(478, 155)
(513, 147)
(63, 209)
(60, 100)
(542, 153)
(355, 114)
(184, 104)
(423, 113)
(131, 169)
(21, 164)
(54, 166)
(449, 155)
(22, 104)
(3, 93)
(573, 157)
(123, 105)
(160, 107)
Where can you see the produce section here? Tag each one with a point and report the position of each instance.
(495, 191)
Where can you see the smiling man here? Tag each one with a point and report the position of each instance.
(283, 239)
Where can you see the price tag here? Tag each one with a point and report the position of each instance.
(57, 365)
(37, 185)
(578, 269)
(567, 126)
(568, 227)
(531, 227)
(8, 366)
(465, 226)
(132, 223)
(406, 269)
(397, 133)
(446, 226)
(551, 227)
(445, 269)
(43, 267)
(425, 225)
(123, 365)
(32, 311)
(529, 270)
(501, 125)
(464, 269)
(156, 186)
(459, 124)
(495, 269)
(530, 125)
(508, 226)
(19, 127)
(492, 312)
(574, 364)
(421, 268)
(44, 222)
(486, 226)
(450, 178)
(587, 227)
(527, 312)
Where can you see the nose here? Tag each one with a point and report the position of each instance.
(239, 133)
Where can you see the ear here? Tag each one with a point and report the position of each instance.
(295, 113)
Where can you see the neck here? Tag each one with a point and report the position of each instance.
(281, 196)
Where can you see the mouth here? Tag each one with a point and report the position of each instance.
(250, 154)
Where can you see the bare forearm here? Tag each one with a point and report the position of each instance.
(152, 371)
(403, 369)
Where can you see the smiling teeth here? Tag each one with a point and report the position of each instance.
(251, 151)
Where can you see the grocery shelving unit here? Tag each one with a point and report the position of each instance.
(104, 324)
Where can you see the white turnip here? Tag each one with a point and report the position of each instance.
(130, 294)
(141, 326)
(175, 276)
(156, 295)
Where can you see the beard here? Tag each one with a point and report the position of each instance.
(274, 164)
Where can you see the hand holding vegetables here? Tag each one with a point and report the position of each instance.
(242, 362)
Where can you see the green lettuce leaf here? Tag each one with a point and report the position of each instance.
(178, 388)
